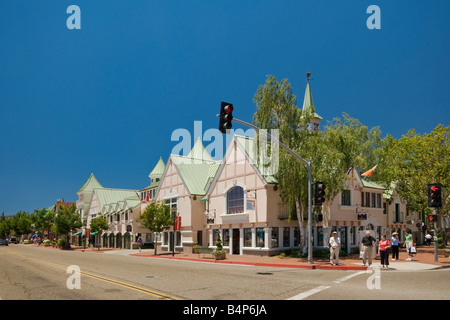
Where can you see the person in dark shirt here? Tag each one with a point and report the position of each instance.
(368, 241)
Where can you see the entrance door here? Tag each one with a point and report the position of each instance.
(236, 241)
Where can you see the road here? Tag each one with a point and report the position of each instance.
(28, 272)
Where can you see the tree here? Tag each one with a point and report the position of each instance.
(342, 144)
(66, 220)
(42, 220)
(99, 224)
(21, 223)
(415, 161)
(156, 217)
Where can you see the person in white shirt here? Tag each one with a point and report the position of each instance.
(335, 241)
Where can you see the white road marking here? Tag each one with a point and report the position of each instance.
(308, 293)
(318, 289)
(337, 281)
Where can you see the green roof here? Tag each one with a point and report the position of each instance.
(90, 184)
(371, 184)
(197, 169)
(195, 175)
(308, 102)
(158, 170)
(108, 196)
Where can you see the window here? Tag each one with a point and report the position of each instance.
(362, 199)
(373, 200)
(235, 200)
(378, 200)
(367, 199)
(286, 237)
(345, 198)
(178, 238)
(247, 237)
(226, 237)
(296, 236)
(275, 233)
(260, 237)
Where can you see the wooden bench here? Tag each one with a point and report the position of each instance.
(204, 250)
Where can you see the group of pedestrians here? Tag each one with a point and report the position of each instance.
(367, 248)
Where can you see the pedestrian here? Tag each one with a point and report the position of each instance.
(383, 249)
(334, 242)
(408, 244)
(394, 246)
(368, 241)
(139, 243)
(428, 239)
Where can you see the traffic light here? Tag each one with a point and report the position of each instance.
(319, 197)
(433, 218)
(435, 195)
(226, 115)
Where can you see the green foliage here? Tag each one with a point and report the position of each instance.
(99, 224)
(156, 217)
(414, 161)
(343, 143)
(66, 220)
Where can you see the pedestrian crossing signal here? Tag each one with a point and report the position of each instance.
(433, 218)
(435, 195)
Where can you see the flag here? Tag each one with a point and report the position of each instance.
(147, 198)
(140, 197)
(368, 173)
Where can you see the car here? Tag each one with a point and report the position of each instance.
(3, 242)
(13, 240)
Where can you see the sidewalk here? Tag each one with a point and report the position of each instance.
(424, 260)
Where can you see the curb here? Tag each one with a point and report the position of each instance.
(262, 264)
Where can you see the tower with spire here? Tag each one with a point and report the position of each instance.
(309, 108)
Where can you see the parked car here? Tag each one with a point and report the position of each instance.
(3, 242)
(13, 240)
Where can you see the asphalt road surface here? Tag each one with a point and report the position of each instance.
(28, 272)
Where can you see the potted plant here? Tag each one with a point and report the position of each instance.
(195, 248)
(218, 252)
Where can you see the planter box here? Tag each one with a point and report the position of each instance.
(221, 256)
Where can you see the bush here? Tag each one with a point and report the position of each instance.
(61, 243)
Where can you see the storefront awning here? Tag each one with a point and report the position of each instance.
(77, 234)
(204, 199)
(94, 233)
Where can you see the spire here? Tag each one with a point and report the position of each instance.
(308, 101)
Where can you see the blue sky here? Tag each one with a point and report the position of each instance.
(105, 99)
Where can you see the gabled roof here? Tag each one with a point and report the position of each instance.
(90, 184)
(196, 169)
(108, 196)
(249, 148)
(198, 152)
(158, 170)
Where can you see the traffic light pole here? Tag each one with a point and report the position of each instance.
(307, 165)
(435, 238)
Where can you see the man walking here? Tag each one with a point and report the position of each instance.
(368, 241)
